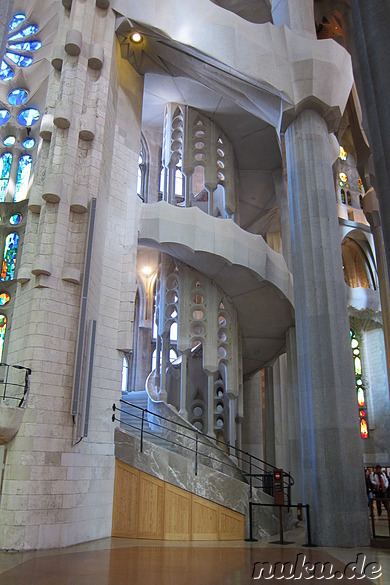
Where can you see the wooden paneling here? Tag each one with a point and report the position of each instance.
(204, 519)
(177, 509)
(150, 507)
(231, 525)
(146, 507)
(124, 517)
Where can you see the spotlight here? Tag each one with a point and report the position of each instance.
(136, 38)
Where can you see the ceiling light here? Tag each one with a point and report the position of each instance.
(147, 270)
(136, 37)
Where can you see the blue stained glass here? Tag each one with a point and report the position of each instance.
(16, 21)
(9, 141)
(9, 257)
(6, 72)
(25, 32)
(18, 97)
(5, 171)
(20, 60)
(29, 143)
(26, 46)
(28, 117)
(4, 117)
(23, 177)
(15, 219)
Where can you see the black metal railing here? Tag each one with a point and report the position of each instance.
(14, 383)
(205, 448)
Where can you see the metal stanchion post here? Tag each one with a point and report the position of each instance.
(250, 539)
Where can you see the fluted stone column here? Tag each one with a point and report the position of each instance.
(183, 385)
(371, 211)
(330, 439)
(232, 421)
(269, 454)
(210, 405)
(369, 43)
(295, 462)
(252, 428)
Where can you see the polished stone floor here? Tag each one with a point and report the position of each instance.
(118, 561)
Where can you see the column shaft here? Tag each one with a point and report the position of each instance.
(330, 438)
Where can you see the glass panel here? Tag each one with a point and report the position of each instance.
(9, 141)
(28, 117)
(360, 395)
(20, 60)
(23, 177)
(4, 117)
(9, 257)
(343, 154)
(30, 30)
(6, 72)
(26, 46)
(16, 21)
(29, 143)
(358, 366)
(5, 170)
(4, 298)
(363, 428)
(15, 219)
(3, 327)
(18, 97)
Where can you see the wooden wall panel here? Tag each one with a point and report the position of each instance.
(150, 507)
(231, 525)
(177, 513)
(204, 519)
(147, 507)
(124, 517)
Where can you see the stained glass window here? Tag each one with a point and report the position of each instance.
(20, 60)
(23, 177)
(5, 170)
(16, 21)
(29, 143)
(4, 298)
(361, 397)
(17, 46)
(28, 117)
(4, 117)
(9, 140)
(343, 177)
(15, 219)
(9, 257)
(18, 97)
(3, 327)
(6, 73)
(343, 154)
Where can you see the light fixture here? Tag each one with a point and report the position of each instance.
(136, 38)
(147, 270)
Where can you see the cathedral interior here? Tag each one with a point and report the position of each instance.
(194, 226)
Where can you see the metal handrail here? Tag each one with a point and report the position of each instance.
(6, 394)
(244, 456)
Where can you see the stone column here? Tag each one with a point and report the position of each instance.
(296, 14)
(252, 428)
(371, 211)
(165, 346)
(269, 454)
(210, 404)
(183, 385)
(368, 26)
(232, 421)
(293, 415)
(330, 438)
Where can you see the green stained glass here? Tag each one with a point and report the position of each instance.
(9, 257)
(23, 177)
(358, 366)
(3, 327)
(5, 170)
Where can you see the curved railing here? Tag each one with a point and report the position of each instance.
(14, 385)
(206, 450)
